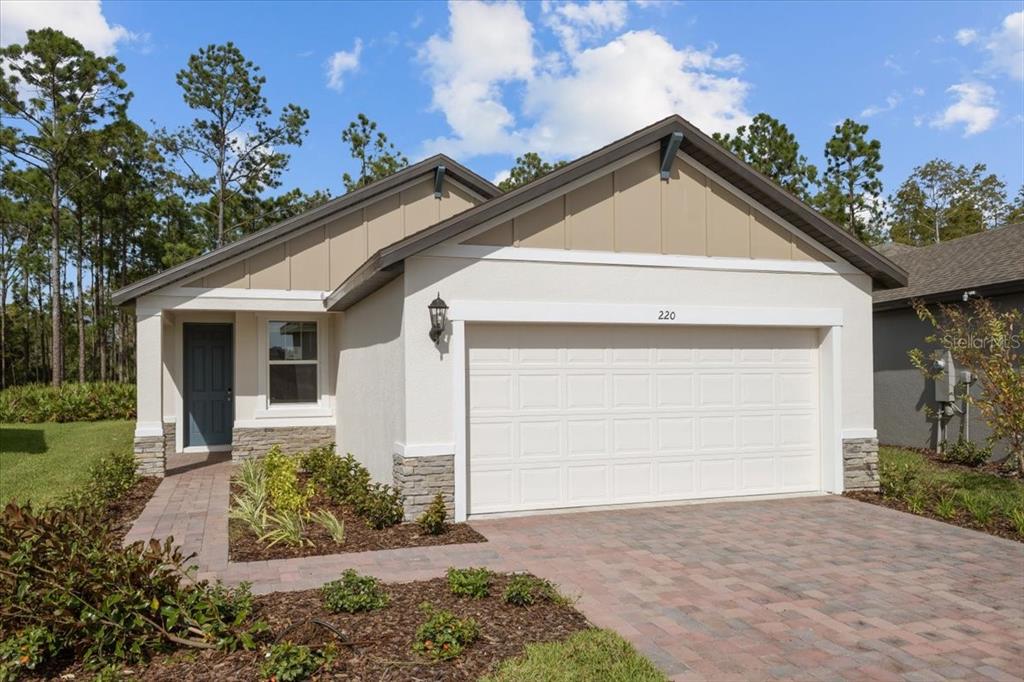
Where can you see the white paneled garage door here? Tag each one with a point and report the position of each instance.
(576, 415)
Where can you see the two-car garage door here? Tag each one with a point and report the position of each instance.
(577, 415)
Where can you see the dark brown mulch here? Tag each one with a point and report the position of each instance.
(381, 641)
(999, 525)
(122, 512)
(244, 544)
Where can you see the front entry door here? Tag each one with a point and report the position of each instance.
(208, 384)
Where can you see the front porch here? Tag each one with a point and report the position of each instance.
(234, 376)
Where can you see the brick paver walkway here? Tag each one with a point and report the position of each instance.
(811, 588)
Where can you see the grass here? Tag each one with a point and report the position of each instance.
(587, 655)
(973, 498)
(42, 462)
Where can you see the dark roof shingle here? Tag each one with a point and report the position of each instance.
(986, 259)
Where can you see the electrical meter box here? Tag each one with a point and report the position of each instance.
(945, 378)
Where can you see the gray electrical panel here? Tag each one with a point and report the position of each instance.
(945, 378)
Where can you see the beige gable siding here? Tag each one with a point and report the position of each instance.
(322, 258)
(632, 210)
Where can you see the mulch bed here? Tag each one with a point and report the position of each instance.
(999, 525)
(122, 512)
(244, 544)
(1000, 468)
(380, 642)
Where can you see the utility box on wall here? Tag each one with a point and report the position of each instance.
(945, 378)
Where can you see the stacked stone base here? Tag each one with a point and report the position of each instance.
(421, 478)
(860, 464)
(150, 455)
(249, 443)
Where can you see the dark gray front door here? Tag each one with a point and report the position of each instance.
(208, 384)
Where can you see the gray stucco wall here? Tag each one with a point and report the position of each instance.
(901, 392)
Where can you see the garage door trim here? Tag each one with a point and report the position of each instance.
(828, 320)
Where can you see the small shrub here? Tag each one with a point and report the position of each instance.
(916, 501)
(113, 475)
(898, 479)
(347, 481)
(109, 603)
(945, 506)
(966, 453)
(252, 478)
(382, 506)
(319, 462)
(252, 512)
(1016, 517)
(283, 482)
(524, 590)
(443, 636)
(288, 527)
(331, 523)
(980, 507)
(434, 519)
(354, 593)
(470, 582)
(288, 662)
(71, 402)
(24, 651)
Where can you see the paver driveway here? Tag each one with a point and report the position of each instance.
(811, 588)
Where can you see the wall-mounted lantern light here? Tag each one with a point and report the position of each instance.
(438, 314)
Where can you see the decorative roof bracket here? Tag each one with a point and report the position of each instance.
(438, 182)
(669, 146)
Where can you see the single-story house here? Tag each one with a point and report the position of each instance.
(987, 264)
(655, 321)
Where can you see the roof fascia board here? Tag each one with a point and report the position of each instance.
(952, 295)
(471, 182)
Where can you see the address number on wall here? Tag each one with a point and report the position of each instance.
(666, 314)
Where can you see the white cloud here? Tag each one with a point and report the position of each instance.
(894, 66)
(891, 102)
(578, 23)
(499, 96)
(919, 91)
(81, 20)
(1006, 47)
(974, 108)
(501, 176)
(966, 36)
(342, 62)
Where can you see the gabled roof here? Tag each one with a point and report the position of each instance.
(387, 263)
(180, 272)
(988, 262)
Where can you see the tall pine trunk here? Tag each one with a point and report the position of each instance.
(57, 339)
(80, 308)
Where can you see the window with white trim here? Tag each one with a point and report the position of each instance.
(292, 356)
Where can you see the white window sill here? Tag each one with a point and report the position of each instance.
(293, 411)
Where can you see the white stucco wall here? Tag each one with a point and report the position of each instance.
(371, 380)
(429, 373)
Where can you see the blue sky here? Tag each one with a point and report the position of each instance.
(485, 82)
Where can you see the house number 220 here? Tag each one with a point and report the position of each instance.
(666, 314)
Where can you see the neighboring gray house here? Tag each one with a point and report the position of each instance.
(988, 264)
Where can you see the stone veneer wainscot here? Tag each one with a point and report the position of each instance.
(255, 442)
(860, 464)
(421, 478)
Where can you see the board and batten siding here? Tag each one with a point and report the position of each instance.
(322, 258)
(632, 210)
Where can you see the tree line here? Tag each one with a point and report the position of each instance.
(91, 200)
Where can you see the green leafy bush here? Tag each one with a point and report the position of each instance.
(354, 593)
(109, 603)
(113, 475)
(319, 462)
(283, 490)
(71, 402)
(25, 651)
(470, 582)
(524, 590)
(898, 478)
(346, 480)
(382, 506)
(443, 636)
(288, 662)
(434, 519)
(967, 453)
(331, 523)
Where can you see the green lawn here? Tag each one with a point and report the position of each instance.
(973, 498)
(41, 462)
(587, 655)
